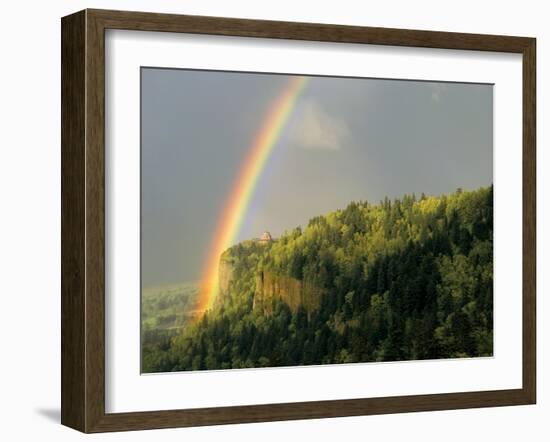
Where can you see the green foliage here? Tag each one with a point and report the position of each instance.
(406, 279)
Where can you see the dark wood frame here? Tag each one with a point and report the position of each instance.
(83, 216)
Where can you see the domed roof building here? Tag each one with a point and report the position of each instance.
(265, 238)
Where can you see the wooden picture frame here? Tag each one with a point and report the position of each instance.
(83, 220)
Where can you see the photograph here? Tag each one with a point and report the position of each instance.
(297, 220)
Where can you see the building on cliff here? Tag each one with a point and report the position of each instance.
(265, 238)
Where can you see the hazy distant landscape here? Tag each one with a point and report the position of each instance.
(165, 311)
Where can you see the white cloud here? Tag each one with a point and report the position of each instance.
(317, 129)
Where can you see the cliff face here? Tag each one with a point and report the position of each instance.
(289, 290)
(267, 285)
(225, 278)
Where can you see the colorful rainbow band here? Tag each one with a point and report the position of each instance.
(242, 191)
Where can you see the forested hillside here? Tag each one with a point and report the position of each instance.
(400, 280)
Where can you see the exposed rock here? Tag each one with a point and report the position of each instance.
(289, 290)
(268, 286)
(225, 277)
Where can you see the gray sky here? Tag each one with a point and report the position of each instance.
(347, 139)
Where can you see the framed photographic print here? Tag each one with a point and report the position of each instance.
(271, 220)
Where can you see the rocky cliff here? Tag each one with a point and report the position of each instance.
(269, 287)
(292, 291)
(225, 277)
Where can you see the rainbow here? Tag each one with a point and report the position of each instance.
(243, 189)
